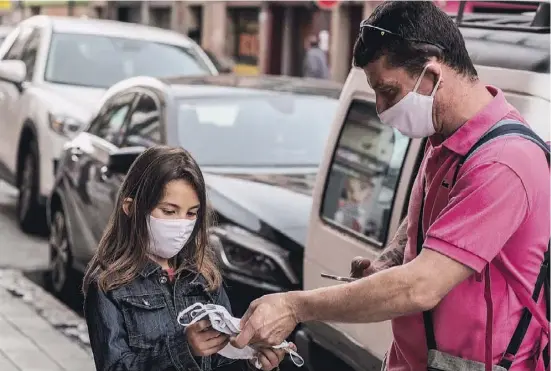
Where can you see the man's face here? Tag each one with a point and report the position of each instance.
(392, 84)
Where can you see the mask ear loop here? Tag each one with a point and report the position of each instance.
(421, 77)
(295, 357)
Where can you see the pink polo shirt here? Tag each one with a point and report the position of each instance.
(498, 209)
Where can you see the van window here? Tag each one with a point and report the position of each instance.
(364, 174)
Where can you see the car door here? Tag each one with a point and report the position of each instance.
(93, 191)
(141, 129)
(104, 187)
(10, 97)
(360, 197)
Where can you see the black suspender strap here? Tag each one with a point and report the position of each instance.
(509, 128)
(427, 315)
(503, 128)
(522, 326)
(506, 128)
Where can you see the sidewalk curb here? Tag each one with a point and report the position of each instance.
(59, 316)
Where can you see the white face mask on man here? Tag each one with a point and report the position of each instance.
(167, 237)
(412, 115)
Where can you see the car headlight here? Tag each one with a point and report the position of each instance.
(246, 253)
(63, 124)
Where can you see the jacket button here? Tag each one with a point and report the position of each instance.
(163, 280)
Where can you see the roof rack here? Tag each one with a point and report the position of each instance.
(503, 22)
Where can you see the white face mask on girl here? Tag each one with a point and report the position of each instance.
(412, 115)
(167, 237)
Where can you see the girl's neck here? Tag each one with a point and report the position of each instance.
(162, 262)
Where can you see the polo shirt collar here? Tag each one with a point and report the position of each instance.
(467, 135)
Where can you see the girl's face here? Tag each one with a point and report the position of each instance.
(179, 201)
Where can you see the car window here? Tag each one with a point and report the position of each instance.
(101, 61)
(109, 124)
(364, 174)
(144, 127)
(28, 56)
(283, 129)
(16, 50)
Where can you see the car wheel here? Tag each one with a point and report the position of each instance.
(60, 277)
(31, 215)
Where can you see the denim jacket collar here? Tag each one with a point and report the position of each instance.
(149, 268)
(193, 280)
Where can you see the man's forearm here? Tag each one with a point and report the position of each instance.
(393, 254)
(382, 296)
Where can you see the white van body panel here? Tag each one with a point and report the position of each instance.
(330, 250)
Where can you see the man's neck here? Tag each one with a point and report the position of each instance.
(471, 99)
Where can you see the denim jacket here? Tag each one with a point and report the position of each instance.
(134, 327)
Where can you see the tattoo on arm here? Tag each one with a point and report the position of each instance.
(393, 254)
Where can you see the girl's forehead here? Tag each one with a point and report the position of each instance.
(179, 192)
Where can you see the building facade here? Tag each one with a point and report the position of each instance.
(258, 37)
(253, 37)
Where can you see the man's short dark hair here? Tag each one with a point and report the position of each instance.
(418, 20)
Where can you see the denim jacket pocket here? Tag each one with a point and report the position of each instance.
(145, 318)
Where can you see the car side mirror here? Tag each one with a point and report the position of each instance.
(122, 159)
(13, 71)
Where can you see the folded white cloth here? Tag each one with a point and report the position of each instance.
(221, 320)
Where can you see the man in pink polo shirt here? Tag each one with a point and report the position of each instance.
(483, 233)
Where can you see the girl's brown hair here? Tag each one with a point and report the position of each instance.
(123, 250)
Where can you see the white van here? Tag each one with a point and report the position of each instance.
(374, 161)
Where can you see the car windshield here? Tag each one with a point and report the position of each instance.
(260, 130)
(101, 61)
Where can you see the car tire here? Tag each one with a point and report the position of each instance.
(30, 213)
(60, 278)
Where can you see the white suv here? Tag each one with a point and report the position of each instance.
(53, 72)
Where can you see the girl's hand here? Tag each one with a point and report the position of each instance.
(203, 340)
(270, 358)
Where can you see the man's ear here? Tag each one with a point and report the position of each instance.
(435, 71)
(126, 205)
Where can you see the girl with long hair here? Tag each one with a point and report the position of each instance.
(153, 261)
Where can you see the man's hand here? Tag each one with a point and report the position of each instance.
(271, 358)
(268, 321)
(361, 267)
(203, 340)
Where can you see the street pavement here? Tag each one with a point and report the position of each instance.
(18, 250)
(37, 331)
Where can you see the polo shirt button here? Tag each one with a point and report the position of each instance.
(163, 280)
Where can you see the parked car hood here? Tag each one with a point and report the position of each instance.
(280, 201)
(77, 101)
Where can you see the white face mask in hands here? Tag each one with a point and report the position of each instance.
(167, 237)
(412, 115)
(222, 321)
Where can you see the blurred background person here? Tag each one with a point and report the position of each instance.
(315, 61)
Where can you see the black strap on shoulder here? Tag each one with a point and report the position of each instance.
(506, 128)
(509, 127)
(503, 128)
(427, 315)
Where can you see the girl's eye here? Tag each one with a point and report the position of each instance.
(192, 214)
(168, 212)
